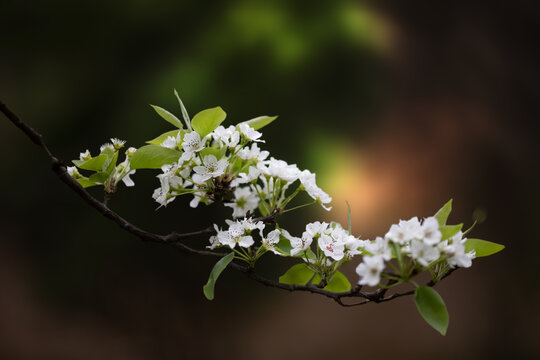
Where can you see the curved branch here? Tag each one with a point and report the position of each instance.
(174, 239)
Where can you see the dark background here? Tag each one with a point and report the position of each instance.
(397, 105)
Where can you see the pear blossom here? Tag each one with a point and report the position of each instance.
(331, 247)
(370, 270)
(192, 144)
(379, 247)
(211, 168)
(250, 133)
(352, 246)
(253, 153)
(298, 244)
(269, 242)
(405, 231)
(106, 146)
(244, 200)
(73, 172)
(244, 178)
(229, 137)
(423, 253)
(431, 233)
(130, 151)
(279, 169)
(84, 156)
(171, 142)
(456, 252)
(235, 235)
(117, 143)
(315, 229)
(307, 179)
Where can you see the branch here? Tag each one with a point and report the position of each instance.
(174, 239)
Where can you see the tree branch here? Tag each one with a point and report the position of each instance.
(174, 239)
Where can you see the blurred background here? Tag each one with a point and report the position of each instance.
(397, 106)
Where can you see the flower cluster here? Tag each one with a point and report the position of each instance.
(229, 160)
(218, 164)
(418, 246)
(106, 170)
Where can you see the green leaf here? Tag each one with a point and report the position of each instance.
(432, 308)
(338, 283)
(443, 213)
(259, 122)
(85, 182)
(184, 111)
(482, 247)
(208, 289)
(299, 274)
(448, 231)
(153, 157)
(168, 116)
(99, 177)
(207, 120)
(161, 138)
(110, 163)
(93, 164)
(218, 153)
(284, 244)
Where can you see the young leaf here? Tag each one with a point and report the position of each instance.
(99, 177)
(153, 157)
(168, 116)
(338, 283)
(184, 111)
(207, 120)
(85, 182)
(482, 247)
(218, 153)
(259, 122)
(299, 274)
(93, 164)
(432, 308)
(443, 213)
(448, 231)
(208, 289)
(161, 138)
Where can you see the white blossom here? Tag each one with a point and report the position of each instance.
(130, 151)
(307, 179)
(117, 143)
(244, 178)
(253, 154)
(73, 172)
(370, 270)
(456, 252)
(405, 231)
(379, 247)
(269, 242)
(331, 247)
(298, 244)
(431, 233)
(106, 146)
(84, 156)
(244, 200)
(279, 169)
(211, 168)
(191, 144)
(423, 253)
(171, 142)
(227, 136)
(250, 133)
(315, 229)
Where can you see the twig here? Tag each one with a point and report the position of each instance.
(174, 239)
